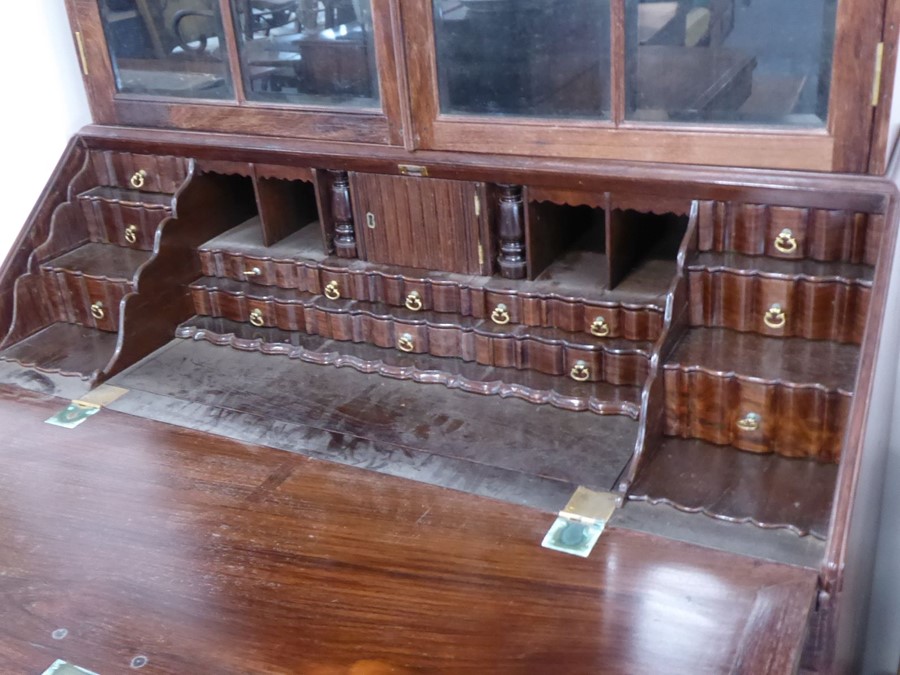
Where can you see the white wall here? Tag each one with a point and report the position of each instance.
(44, 106)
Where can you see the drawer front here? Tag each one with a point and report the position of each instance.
(148, 173)
(85, 300)
(124, 224)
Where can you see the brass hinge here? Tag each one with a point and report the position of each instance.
(876, 83)
(480, 254)
(79, 40)
(580, 524)
(477, 206)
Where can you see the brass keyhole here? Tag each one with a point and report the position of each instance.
(500, 315)
(775, 317)
(139, 179)
(599, 328)
(257, 318)
(406, 343)
(333, 291)
(97, 311)
(131, 233)
(414, 301)
(580, 372)
(749, 422)
(786, 242)
(370, 221)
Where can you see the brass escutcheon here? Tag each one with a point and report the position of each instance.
(257, 319)
(406, 343)
(775, 317)
(500, 315)
(131, 233)
(414, 301)
(749, 422)
(97, 311)
(333, 291)
(599, 328)
(580, 372)
(253, 272)
(786, 242)
(139, 179)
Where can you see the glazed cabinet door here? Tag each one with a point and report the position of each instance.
(424, 223)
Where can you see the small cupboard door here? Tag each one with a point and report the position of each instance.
(426, 223)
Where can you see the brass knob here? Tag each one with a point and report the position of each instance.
(97, 311)
(580, 372)
(139, 179)
(406, 343)
(333, 291)
(131, 233)
(775, 317)
(749, 422)
(599, 328)
(500, 315)
(414, 301)
(253, 272)
(257, 319)
(786, 242)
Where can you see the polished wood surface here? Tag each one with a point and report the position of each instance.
(204, 555)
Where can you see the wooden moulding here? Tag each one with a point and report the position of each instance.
(547, 351)
(794, 420)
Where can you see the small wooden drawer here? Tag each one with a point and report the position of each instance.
(124, 217)
(85, 300)
(147, 173)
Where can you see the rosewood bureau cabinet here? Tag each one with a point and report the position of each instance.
(507, 246)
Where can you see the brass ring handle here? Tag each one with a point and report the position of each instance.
(333, 291)
(599, 328)
(786, 242)
(406, 343)
(139, 179)
(500, 315)
(775, 317)
(131, 233)
(580, 372)
(97, 311)
(414, 301)
(257, 319)
(253, 272)
(749, 422)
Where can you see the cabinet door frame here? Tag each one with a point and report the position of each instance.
(238, 115)
(842, 145)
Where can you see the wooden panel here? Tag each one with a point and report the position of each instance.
(116, 169)
(285, 206)
(121, 217)
(74, 297)
(418, 222)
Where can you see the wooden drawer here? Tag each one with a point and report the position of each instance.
(147, 173)
(124, 217)
(85, 300)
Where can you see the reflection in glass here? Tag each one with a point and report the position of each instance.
(538, 58)
(312, 52)
(730, 61)
(167, 47)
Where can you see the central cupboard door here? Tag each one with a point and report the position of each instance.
(428, 223)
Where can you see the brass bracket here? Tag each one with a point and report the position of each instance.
(413, 170)
(82, 54)
(579, 525)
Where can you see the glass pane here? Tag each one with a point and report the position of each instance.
(167, 47)
(730, 61)
(537, 58)
(308, 52)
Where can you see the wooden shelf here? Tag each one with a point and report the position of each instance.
(66, 349)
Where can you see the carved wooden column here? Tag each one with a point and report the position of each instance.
(344, 234)
(511, 231)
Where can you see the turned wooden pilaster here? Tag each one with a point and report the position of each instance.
(511, 232)
(344, 234)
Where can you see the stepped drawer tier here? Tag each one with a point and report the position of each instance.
(85, 300)
(148, 173)
(124, 217)
(545, 350)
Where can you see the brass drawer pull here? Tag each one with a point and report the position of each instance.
(131, 233)
(599, 328)
(414, 301)
(775, 317)
(500, 315)
(749, 422)
(253, 272)
(786, 242)
(580, 372)
(406, 343)
(97, 311)
(139, 179)
(257, 319)
(333, 291)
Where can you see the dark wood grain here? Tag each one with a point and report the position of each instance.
(124, 217)
(64, 348)
(163, 173)
(285, 206)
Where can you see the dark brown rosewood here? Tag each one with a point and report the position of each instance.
(511, 233)
(342, 213)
